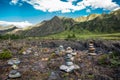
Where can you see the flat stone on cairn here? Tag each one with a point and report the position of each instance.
(74, 52)
(66, 68)
(14, 74)
(61, 48)
(15, 66)
(68, 59)
(14, 61)
(69, 50)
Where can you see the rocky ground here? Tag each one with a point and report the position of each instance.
(42, 62)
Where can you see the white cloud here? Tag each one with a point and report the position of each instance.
(65, 7)
(54, 5)
(14, 2)
(88, 10)
(71, 0)
(104, 4)
(17, 24)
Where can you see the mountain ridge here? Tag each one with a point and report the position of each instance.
(106, 23)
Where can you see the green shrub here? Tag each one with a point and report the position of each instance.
(6, 54)
(71, 37)
(90, 76)
(102, 59)
(115, 63)
(114, 59)
(114, 54)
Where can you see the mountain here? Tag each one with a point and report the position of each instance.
(97, 23)
(55, 25)
(86, 18)
(7, 29)
(104, 23)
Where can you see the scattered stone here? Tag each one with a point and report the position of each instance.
(28, 51)
(76, 66)
(36, 54)
(57, 52)
(45, 59)
(40, 67)
(53, 76)
(24, 52)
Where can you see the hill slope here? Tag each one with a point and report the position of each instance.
(106, 23)
(55, 25)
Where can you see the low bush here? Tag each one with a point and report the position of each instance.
(112, 59)
(102, 60)
(5, 54)
(114, 63)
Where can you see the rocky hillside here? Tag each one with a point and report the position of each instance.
(106, 23)
(86, 18)
(97, 23)
(55, 25)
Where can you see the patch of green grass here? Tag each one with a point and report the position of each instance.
(102, 59)
(90, 76)
(78, 36)
(5, 54)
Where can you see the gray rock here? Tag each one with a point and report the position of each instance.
(68, 56)
(14, 61)
(14, 74)
(53, 76)
(61, 48)
(67, 68)
(69, 63)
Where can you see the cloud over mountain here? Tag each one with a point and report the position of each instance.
(66, 6)
(17, 24)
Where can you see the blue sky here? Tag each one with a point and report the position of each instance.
(34, 11)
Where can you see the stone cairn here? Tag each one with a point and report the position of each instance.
(91, 53)
(60, 50)
(69, 57)
(14, 73)
(91, 49)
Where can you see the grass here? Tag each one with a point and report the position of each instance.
(78, 36)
